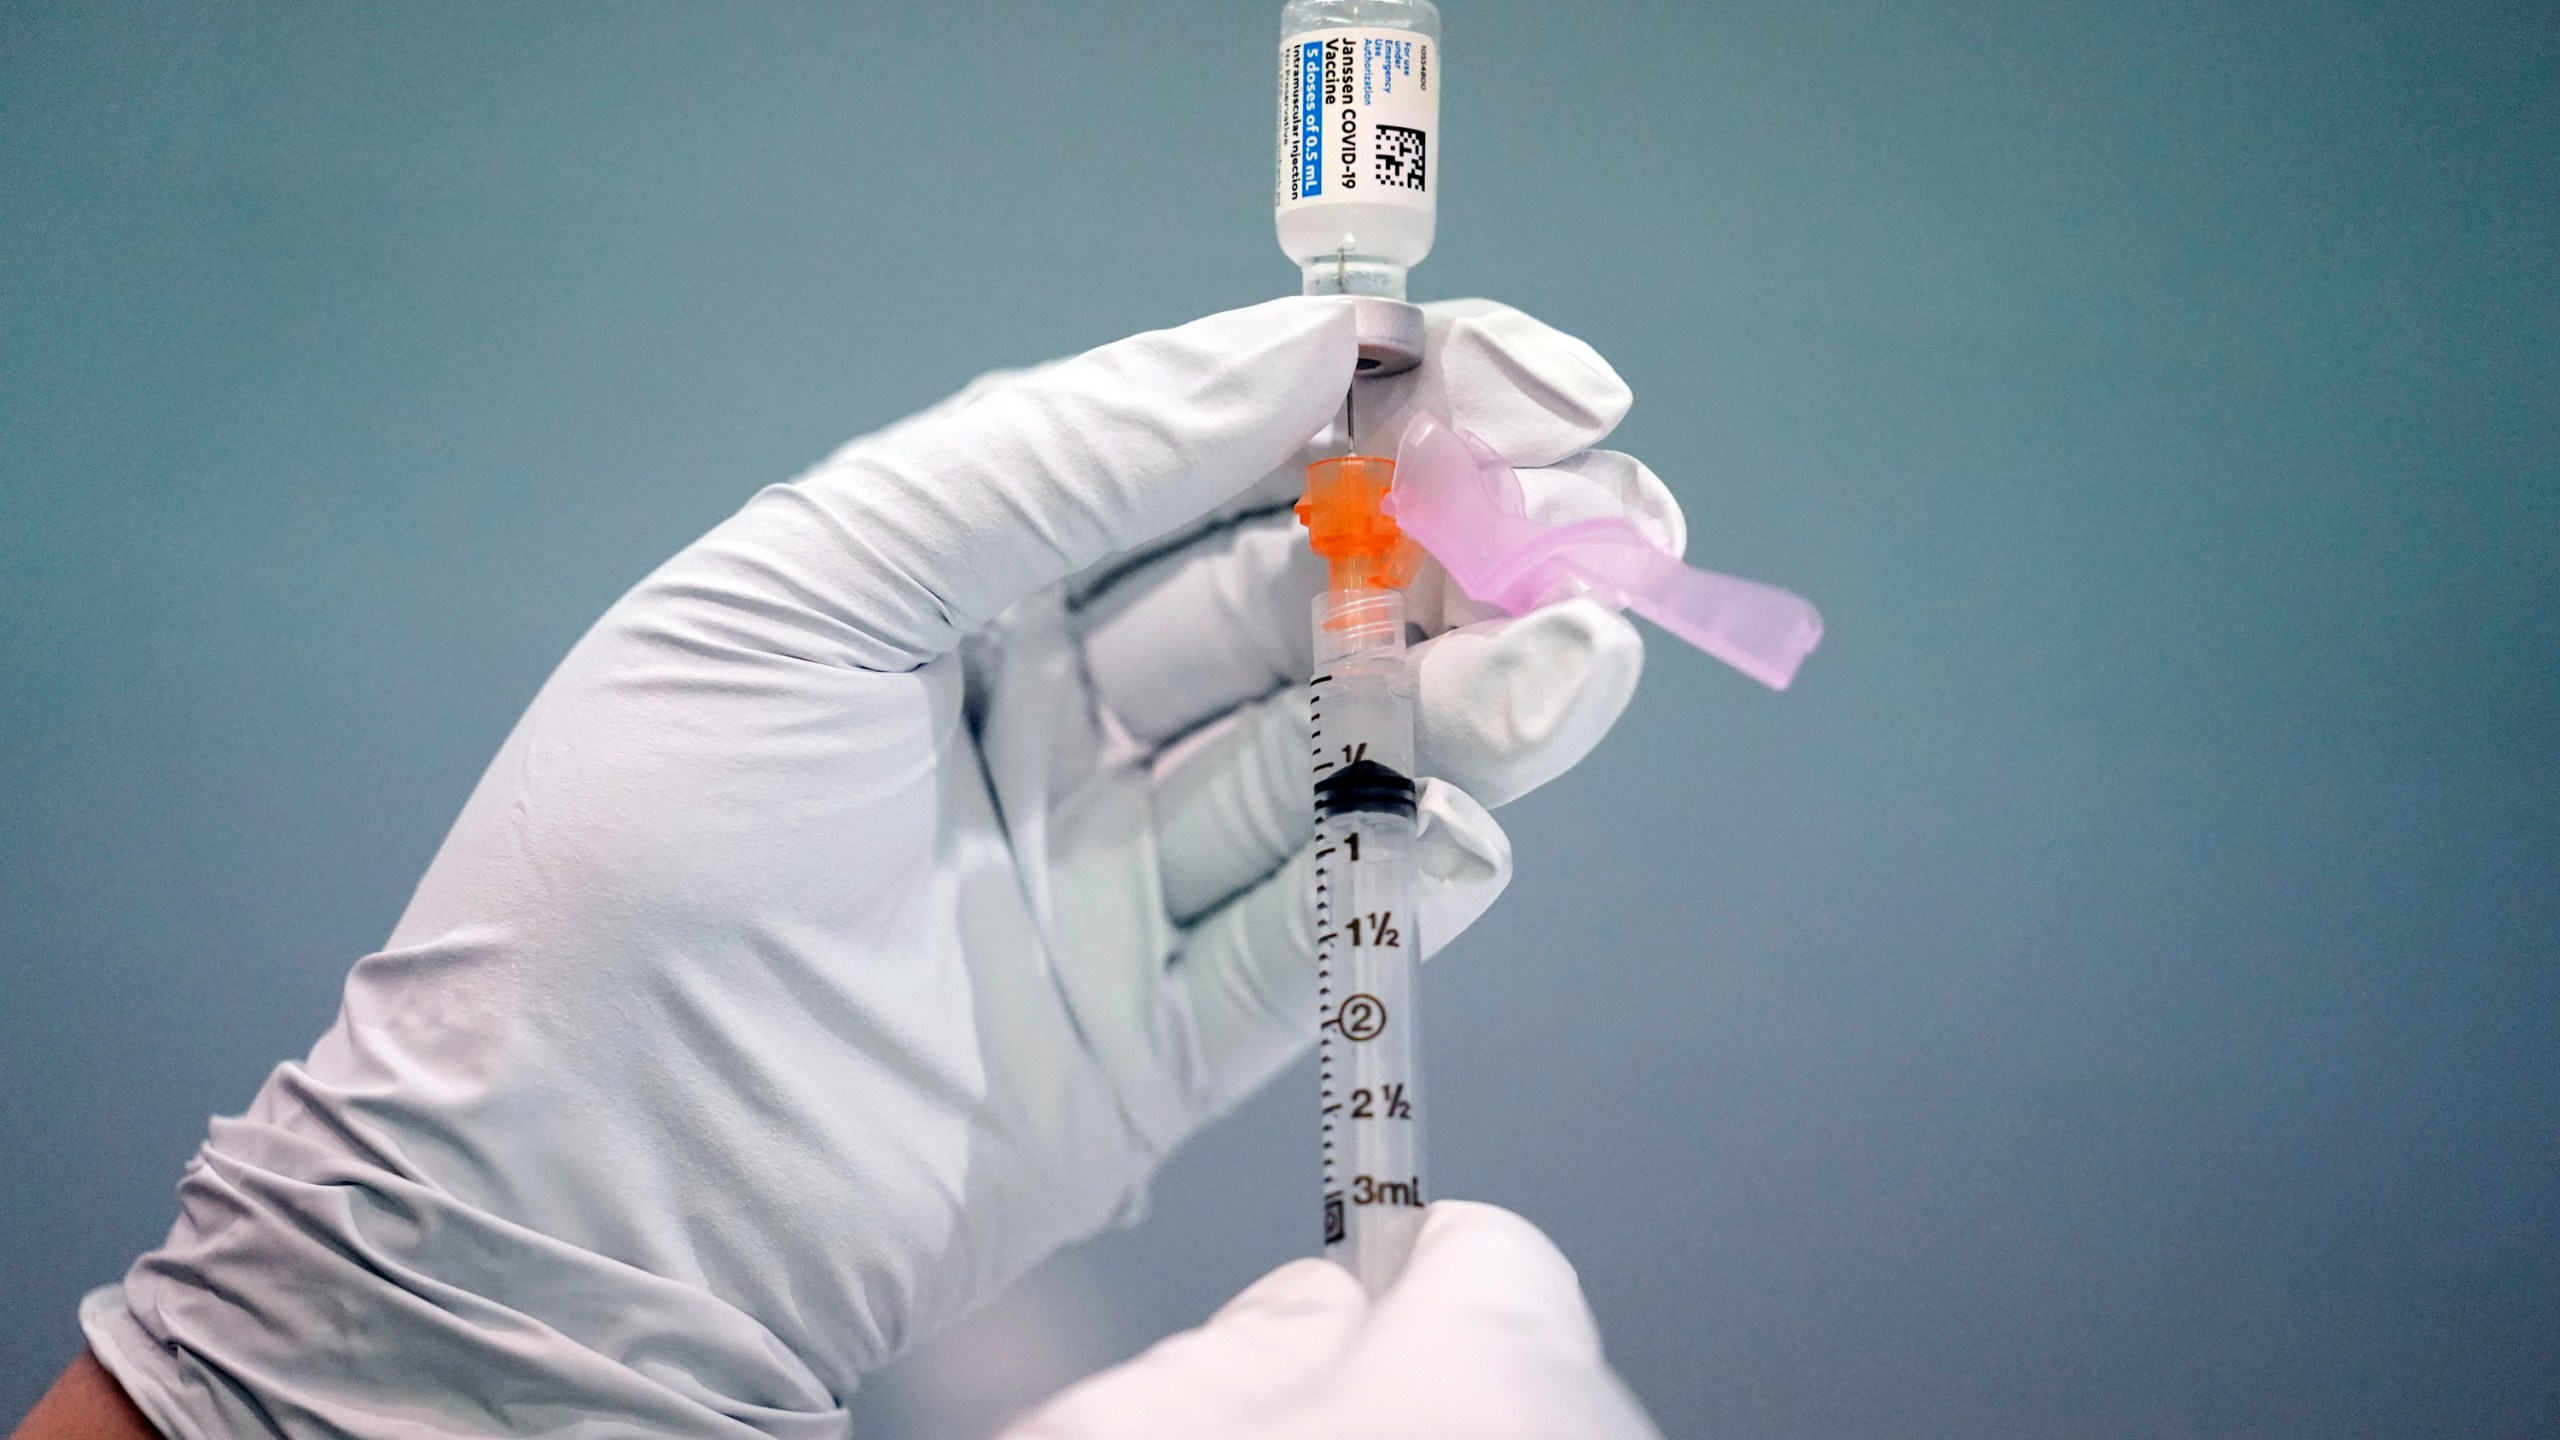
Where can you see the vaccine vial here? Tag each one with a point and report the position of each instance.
(1359, 154)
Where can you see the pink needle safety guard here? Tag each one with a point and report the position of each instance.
(1463, 504)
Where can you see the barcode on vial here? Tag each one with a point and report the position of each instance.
(1401, 159)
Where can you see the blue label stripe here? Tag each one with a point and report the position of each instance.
(1310, 118)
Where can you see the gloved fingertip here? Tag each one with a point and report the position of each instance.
(1460, 841)
(1462, 858)
(1281, 1335)
(1482, 1267)
(1606, 484)
(1509, 705)
(1323, 326)
(1474, 1228)
(1304, 1289)
(1531, 391)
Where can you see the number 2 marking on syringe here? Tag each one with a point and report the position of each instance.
(1360, 1017)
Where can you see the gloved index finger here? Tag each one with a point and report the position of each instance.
(1531, 391)
(893, 551)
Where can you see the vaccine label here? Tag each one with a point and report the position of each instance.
(1358, 109)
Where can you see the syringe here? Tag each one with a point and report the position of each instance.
(1368, 940)
(1356, 205)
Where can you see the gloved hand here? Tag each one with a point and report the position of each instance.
(863, 909)
(1484, 1336)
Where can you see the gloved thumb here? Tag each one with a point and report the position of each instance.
(898, 546)
(1490, 1309)
(1262, 1349)
(1485, 1334)
(1481, 1268)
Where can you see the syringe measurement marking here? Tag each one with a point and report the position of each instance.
(1386, 1102)
(1332, 1228)
(1392, 1096)
(1366, 1191)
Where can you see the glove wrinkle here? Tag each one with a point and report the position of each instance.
(754, 584)
(1246, 982)
(1097, 585)
(1030, 662)
(1235, 806)
(1204, 631)
(577, 1345)
(1105, 888)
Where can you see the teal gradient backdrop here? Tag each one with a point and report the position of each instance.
(2113, 994)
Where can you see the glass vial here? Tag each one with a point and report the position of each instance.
(1359, 142)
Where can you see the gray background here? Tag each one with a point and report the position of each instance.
(2112, 995)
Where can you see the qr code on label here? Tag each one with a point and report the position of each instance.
(1400, 156)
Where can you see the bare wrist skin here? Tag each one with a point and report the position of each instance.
(86, 1403)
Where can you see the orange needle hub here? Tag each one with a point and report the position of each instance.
(1348, 524)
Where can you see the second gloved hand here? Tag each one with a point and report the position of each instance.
(865, 907)
(1484, 1336)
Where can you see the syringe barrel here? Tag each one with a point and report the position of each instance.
(1357, 199)
(1368, 936)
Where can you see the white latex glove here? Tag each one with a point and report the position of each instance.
(1484, 1336)
(861, 912)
